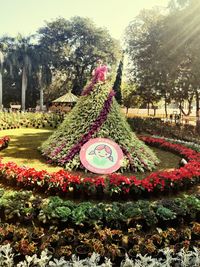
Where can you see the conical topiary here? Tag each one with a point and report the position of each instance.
(97, 114)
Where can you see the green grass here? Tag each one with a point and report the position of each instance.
(23, 146)
(23, 150)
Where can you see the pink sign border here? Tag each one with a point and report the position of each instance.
(93, 169)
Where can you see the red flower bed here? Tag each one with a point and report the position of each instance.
(63, 181)
(4, 142)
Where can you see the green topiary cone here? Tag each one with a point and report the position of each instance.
(97, 114)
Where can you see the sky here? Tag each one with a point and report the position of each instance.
(27, 16)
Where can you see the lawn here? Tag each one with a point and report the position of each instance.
(23, 146)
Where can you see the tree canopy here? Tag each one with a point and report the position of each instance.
(67, 47)
(163, 53)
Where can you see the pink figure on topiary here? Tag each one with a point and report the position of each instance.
(99, 75)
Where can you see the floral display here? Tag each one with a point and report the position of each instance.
(148, 232)
(190, 144)
(64, 181)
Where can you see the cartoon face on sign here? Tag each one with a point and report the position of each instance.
(101, 155)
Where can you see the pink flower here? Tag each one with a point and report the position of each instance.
(100, 73)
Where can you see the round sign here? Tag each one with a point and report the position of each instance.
(101, 155)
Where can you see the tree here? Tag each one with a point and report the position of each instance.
(21, 56)
(143, 43)
(118, 82)
(60, 84)
(175, 5)
(182, 40)
(75, 45)
(130, 97)
(43, 71)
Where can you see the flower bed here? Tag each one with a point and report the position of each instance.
(4, 141)
(155, 126)
(107, 242)
(28, 119)
(62, 226)
(167, 257)
(25, 207)
(193, 145)
(114, 184)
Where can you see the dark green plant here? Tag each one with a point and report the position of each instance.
(165, 213)
(112, 212)
(132, 210)
(16, 204)
(193, 204)
(177, 205)
(150, 217)
(79, 214)
(62, 213)
(118, 82)
(56, 208)
(94, 214)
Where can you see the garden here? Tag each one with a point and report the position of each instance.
(82, 183)
(57, 217)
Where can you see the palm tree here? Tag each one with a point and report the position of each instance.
(43, 71)
(45, 77)
(21, 57)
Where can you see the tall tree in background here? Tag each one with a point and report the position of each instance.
(75, 45)
(44, 79)
(22, 57)
(118, 82)
(142, 38)
(182, 40)
(129, 96)
(43, 71)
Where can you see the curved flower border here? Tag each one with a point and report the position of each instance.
(65, 182)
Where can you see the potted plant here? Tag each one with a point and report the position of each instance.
(65, 251)
(96, 245)
(25, 247)
(54, 240)
(195, 230)
(116, 253)
(82, 251)
(116, 236)
(67, 236)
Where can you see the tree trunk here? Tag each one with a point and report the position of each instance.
(41, 99)
(1, 90)
(189, 107)
(197, 111)
(166, 114)
(148, 108)
(127, 111)
(24, 87)
(180, 106)
(154, 112)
